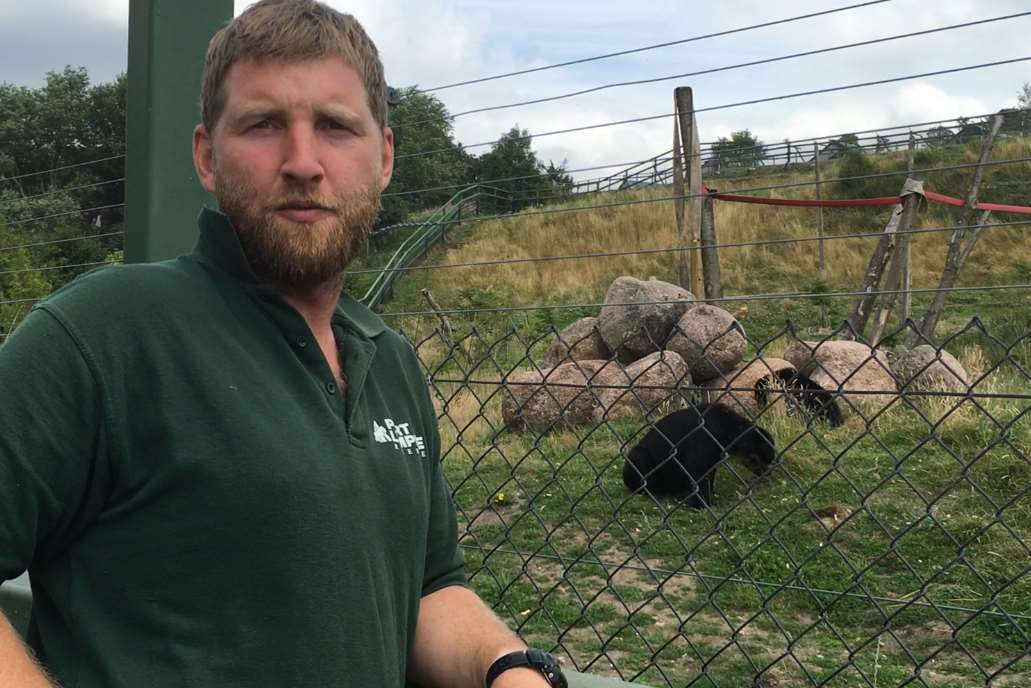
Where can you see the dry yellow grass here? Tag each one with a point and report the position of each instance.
(646, 222)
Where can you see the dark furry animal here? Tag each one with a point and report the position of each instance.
(811, 396)
(679, 455)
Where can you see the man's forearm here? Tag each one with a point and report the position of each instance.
(17, 667)
(457, 639)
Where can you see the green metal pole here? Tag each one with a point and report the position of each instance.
(167, 41)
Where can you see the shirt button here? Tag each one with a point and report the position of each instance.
(302, 342)
(331, 388)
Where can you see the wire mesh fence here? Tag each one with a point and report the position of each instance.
(688, 505)
(679, 500)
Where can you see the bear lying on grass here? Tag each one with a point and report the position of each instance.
(680, 454)
(806, 394)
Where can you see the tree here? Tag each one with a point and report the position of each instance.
(512, 165)
(66, 122)
(1024, 96)
(848, 142)
(853, 173)
(427, 156)
(741, 150)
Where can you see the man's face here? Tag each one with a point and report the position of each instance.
(297, 162)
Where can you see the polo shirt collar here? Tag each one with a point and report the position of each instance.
(219, 246)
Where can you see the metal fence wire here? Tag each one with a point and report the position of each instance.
(872, 533)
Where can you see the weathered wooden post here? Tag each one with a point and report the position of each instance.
(961, 242)
(821, 261)
(864, 303)
(683, 271)
(710, 254)
(898, 272)
(692, 157)
(907, 250)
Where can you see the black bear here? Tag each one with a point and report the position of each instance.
(803, 393)
(679, 455)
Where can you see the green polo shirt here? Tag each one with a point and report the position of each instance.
(196, 502)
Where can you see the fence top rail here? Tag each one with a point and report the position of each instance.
(426, 234)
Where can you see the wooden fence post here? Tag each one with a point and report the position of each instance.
(710, 254)
(875, 268)
(898, 272)
(821, 261)
(683, 272)
(961, 243)
(907, 248)
(684, 98)
(910, 206)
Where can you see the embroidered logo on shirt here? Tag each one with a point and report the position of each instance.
(400, 436)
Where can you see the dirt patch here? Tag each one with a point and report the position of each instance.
(1011, 680)
(936, 632)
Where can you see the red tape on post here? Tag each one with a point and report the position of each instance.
(959, 203)
(829, 203)
(861, 202)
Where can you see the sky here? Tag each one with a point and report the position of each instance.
(430, 43)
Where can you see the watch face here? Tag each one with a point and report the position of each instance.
(546, 663)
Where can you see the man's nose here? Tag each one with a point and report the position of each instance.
(301, 160)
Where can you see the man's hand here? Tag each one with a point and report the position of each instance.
(457, 638)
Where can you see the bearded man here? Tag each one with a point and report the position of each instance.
(218, 470)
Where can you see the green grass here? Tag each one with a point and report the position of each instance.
(629, 575)
(922, 574)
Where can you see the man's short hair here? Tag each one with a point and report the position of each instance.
(290, 31)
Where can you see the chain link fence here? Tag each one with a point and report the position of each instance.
(873, 532)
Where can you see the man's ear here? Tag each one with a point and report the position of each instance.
(388, 157)
(203, 158)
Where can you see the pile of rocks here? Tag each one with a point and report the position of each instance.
(859, 376)
(651, 340)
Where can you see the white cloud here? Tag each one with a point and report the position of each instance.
(113, 11)
(435, 42)
(925, 102)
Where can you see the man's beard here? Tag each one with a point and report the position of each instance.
(298, 255)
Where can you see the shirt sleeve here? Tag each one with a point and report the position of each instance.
(50, 438)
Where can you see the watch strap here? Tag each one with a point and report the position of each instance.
(543, 662)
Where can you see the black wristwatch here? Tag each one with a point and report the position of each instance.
(542, 661)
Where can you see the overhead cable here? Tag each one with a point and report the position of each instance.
(654, 46)
(60, 241)
(754, 101)
(68, 212)
(62, 167)
(65, 189)
(714, 70)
